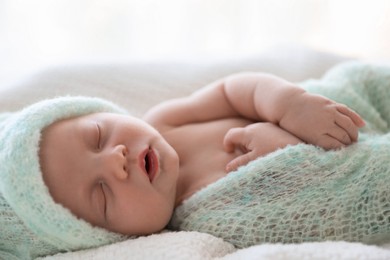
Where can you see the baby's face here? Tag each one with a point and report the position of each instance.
(114, 171)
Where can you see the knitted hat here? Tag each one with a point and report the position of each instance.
(31, 223)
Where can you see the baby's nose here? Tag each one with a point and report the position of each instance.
(120, 167)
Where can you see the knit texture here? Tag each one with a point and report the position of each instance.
(31, 223)
(303, 193)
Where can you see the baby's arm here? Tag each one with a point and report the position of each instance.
(256, 140)
(264, 98)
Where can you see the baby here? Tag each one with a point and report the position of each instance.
(126, 176)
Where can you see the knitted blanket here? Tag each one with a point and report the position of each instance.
(302, 193)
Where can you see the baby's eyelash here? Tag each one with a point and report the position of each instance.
(105, 200)
(99, 136)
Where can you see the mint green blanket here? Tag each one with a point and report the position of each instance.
(303, 193)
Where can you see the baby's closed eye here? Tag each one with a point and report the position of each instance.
(100, 198)
(99, 136)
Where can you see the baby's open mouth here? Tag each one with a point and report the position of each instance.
(150, 163)
(147, 163)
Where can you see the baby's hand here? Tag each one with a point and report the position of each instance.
(255, 140)
(320, 121)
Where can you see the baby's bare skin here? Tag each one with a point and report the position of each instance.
(202, 156)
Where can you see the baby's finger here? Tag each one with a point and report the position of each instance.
(239, 161)
(355, 117)
(348, 126)
(233, 138)
(328, 142)
(340, 135)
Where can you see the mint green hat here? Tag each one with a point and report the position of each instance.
(31, 223)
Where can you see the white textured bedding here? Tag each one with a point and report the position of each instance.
(194, 245)
(139, 86)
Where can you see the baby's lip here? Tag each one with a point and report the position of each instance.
(148, 162)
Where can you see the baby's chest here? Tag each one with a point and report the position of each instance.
(200, 146)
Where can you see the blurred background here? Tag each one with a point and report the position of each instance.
(42, 33)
